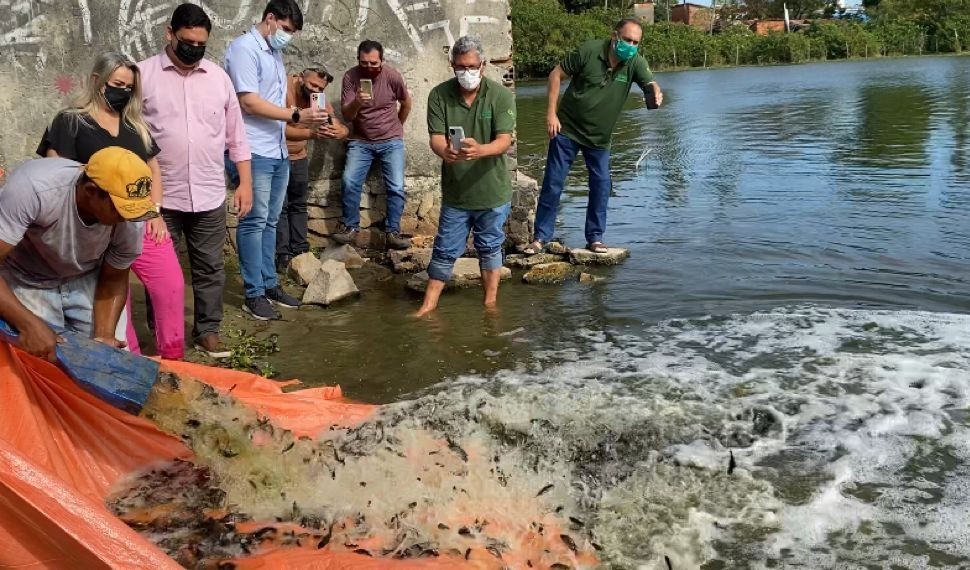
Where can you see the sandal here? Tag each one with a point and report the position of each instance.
(597, 247)
(534, 248)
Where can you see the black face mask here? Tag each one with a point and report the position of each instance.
(117, 97)
(188, 54)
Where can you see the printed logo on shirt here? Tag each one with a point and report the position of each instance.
(487, 113)
(623, 77)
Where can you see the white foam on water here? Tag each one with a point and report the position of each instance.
(864, 398)
(842, 426)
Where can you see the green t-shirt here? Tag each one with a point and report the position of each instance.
(475, 184)
(589, 108)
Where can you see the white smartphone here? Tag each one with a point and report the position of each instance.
(367, 86)
(455, 135)
(319, 100)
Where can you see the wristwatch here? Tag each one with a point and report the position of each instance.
(296, 115)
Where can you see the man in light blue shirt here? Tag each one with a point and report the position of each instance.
(254, 62)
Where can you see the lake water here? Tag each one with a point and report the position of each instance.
(797, 297)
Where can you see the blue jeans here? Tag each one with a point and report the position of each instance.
(256, 233)
(562, 153)
(69, 305)
(453, 227)
(360, 156)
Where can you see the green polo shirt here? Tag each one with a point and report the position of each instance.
(589, 108)
(475, 184)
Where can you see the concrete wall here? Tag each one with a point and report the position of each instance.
(47, 48)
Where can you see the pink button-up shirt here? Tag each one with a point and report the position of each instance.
(194, 118)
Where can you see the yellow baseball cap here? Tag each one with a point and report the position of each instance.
(127, 180)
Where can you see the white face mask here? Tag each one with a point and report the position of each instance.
(279, 39)
(469, 79)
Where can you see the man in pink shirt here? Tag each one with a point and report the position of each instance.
(190, 106)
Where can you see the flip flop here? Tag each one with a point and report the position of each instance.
(597, 247)
(534, 248)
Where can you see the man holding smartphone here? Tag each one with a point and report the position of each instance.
(476, 186)
(376, 100)
(254, 62)
(306, 89)
(600, 74)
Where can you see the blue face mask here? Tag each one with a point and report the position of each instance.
(624, 51)
(280, 39)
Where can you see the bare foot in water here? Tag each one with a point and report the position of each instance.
(423, 311)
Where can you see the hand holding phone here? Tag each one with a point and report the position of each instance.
(455, 136)
(319, 100)
(366, 90)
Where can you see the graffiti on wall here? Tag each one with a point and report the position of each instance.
(25, 25)
(140, 23)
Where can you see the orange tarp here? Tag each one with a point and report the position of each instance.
(61, 450)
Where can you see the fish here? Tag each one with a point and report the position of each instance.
(545, 490)
(568, 540)
(670, 566)
(732, 464)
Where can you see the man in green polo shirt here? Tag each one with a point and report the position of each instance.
(475, 184)
(601, 73)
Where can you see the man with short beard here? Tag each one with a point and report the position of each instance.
(378, 116)
(291, 231)
(191, 109)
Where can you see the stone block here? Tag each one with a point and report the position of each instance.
(466, 274)
(521, 261)
(331, 284)
(557, 248)
(323, 227)
(371, 238)
(344, 254)
(613, 256)
(319, 213)
(548, 273)
(370, 218)
(304, 267)
(589, 278)
(410, 260)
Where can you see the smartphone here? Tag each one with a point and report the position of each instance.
(650, 99)
(367, 86)
(319, 100)
(456, 134)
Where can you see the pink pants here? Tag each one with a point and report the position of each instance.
(158, 269)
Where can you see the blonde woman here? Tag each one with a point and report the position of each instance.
(108, 112)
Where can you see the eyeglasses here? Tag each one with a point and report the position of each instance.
(466, 67)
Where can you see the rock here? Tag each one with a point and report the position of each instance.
(466, 274)
(548, 273)
(589, 278)
(304, 267)
(331, 283)
(410, 260)
(344, 254)
(466, 270)
(521, 261)
(613, 256)
(557, 248)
